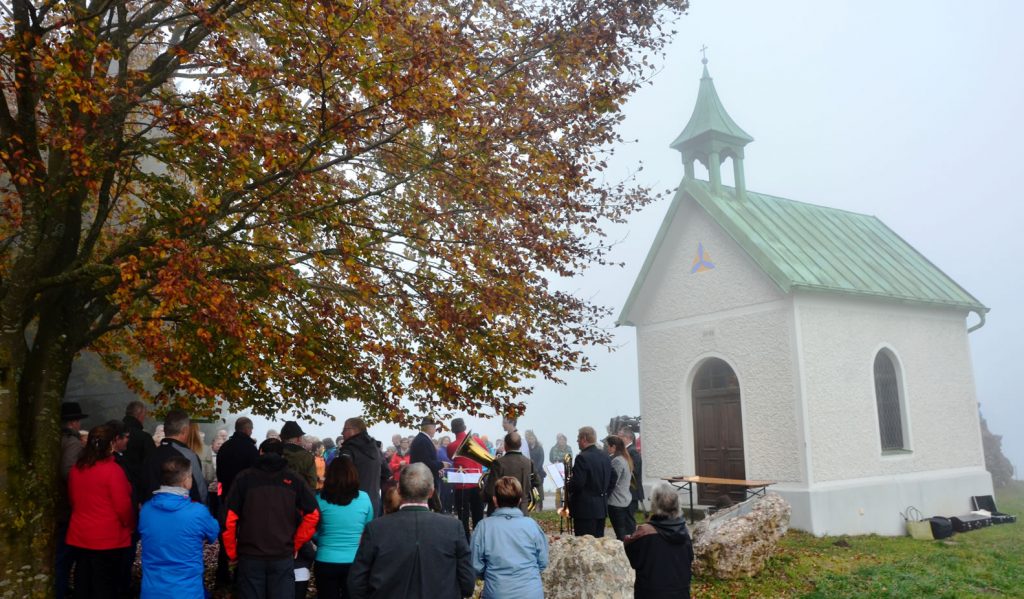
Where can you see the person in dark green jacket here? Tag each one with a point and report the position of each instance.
(299, 460)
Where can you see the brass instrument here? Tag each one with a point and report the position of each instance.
(534, 499)
(565, 516)
(469, 448)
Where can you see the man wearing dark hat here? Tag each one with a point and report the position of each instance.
(422, 451)
(467, 497)
(71, 417)
(299, 460)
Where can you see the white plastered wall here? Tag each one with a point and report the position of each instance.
(671, 292)
(733, 312)
(854, 487)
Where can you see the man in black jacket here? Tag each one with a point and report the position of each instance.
(592, 480)
(270, 513)
(176, 425)
(140, 443)
(422, 451)
(360, 447)
(236, 454)
(412, 553)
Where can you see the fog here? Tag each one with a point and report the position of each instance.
(910, 111)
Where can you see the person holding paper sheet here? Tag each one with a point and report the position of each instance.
(557, 456)
(467, 498)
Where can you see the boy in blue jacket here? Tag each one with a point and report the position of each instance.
(173, 529)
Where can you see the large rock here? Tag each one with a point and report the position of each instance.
(737, 542)
(587, 568)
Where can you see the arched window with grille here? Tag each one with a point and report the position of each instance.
(889, 398)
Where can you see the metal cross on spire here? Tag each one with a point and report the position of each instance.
(704, 54)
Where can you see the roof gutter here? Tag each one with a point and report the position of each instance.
(981, 323)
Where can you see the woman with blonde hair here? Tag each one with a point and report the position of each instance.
(509, 550)
(194, 441)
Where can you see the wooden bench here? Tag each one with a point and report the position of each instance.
(685, 483)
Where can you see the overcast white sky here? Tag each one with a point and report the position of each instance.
(912, 111)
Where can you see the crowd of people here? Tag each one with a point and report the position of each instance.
(361, 519)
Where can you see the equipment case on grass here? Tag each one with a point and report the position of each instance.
(969, 522)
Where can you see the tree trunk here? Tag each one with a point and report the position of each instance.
(34, 375)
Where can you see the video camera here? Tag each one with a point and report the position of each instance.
(620, 422)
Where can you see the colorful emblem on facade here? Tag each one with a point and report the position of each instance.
(702, 262)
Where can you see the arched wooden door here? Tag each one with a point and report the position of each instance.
(718, 430)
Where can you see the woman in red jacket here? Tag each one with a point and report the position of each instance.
(102, 518)
(401, 458)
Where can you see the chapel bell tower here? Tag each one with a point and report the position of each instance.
(711, 136)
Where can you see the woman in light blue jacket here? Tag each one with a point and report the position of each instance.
(509, 550)
(344, 513)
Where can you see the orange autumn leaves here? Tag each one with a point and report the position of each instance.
(278, 203)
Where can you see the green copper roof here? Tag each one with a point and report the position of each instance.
(803, 246)
(709, 115)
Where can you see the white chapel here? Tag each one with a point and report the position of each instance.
(807, 345)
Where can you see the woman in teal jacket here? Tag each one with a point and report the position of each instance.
(344, 513)
(173, 529)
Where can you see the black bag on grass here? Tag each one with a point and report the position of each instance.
(969, 522)
(941, 527)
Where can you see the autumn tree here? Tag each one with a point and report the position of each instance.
(276, 202)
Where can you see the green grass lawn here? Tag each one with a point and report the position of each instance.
(982, 563)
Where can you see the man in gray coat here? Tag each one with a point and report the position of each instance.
(71, 417)
(413, 553)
